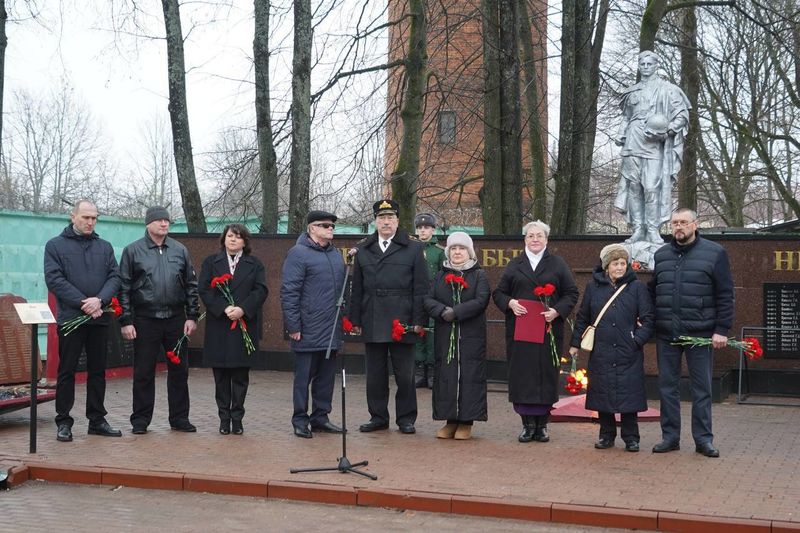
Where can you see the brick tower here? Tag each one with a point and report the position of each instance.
(451, 158)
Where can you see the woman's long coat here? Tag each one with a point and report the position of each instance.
(459, 387)
(224, 347)
(532, 377)
(616, 364)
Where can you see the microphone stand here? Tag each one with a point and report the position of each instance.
(344, 465)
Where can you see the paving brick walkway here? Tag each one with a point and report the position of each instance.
(95, 509)
(756, 476)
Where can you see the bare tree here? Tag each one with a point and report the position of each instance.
(582, 39)
(56, 150)
(267, 167)
(179, 117)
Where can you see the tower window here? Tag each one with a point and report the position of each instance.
(447, 127)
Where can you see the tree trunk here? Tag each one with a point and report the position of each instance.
(267, 169)
(179, 117)
(405, 174)
(566, 126)
(491, 192)
(651, 20)
(3, 45)
(300, 166)
(510, 138)
(534, 104)
(690, 83)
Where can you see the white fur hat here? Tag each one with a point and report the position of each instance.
(461, 239)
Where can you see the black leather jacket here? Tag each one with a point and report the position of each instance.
(157, 281)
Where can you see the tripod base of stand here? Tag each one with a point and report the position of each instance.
(344, 467)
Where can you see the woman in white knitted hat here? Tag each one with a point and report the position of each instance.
(457, 302)
(616, 362)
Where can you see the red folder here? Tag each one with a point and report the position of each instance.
(530, 327)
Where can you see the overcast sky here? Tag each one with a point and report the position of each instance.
(122, 80)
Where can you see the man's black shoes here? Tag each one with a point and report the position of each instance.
(327, 427)
(707, 449)
(139, 429)
(373, 425)
(104, 429)
(407, 428)
(604, 444)
(665, 446)
(302, 432)
(185, 426)
(64, 433)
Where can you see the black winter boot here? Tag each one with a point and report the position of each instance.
(528, 428)
(540, 429)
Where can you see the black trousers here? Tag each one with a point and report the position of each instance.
(377, 363)
(311, 368)
(94, 339)
(230, 391)
(153, 338)
(629, 427)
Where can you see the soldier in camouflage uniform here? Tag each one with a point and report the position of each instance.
(434, 257)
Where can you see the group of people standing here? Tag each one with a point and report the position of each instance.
(402, 289)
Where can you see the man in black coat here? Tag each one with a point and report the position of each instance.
(160, 304)
(81, 271)
(692, 288)
(390, 281)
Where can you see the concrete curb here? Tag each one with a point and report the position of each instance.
(588, 515)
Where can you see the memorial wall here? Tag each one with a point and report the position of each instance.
(766, 272)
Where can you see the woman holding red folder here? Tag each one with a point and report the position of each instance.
(532, 373)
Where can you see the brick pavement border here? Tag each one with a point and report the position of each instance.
(17, 475)
(406, 500)
(588, 515)
(221, 485)
(702, 524)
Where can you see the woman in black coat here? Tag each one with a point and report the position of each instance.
(616, 363)
(224, 349)
(532, 373)
(459, 384)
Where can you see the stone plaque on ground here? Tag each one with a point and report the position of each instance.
(15, 343)
(782, 311)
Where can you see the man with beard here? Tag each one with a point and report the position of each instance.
(390, 281)
(692, 289)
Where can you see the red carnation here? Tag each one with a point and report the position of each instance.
(116, 308)
(448, 278)
(549, 289)
(347, 326)
(398, 330)
(173, 358)
(538, 291)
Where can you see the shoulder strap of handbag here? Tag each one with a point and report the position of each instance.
(605, 307)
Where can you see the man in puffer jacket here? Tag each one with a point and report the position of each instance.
(313, 275)
(692, 288)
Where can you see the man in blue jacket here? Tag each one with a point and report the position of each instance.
(692, 288)
(313, 275)
(81, 272)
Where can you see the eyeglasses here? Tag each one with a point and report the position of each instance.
(681, 223)
(326, 225)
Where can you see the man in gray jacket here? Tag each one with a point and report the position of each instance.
(313, 274)
(160, 304)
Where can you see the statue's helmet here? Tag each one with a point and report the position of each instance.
(657, 124)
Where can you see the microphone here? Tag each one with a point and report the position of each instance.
(352, 252)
